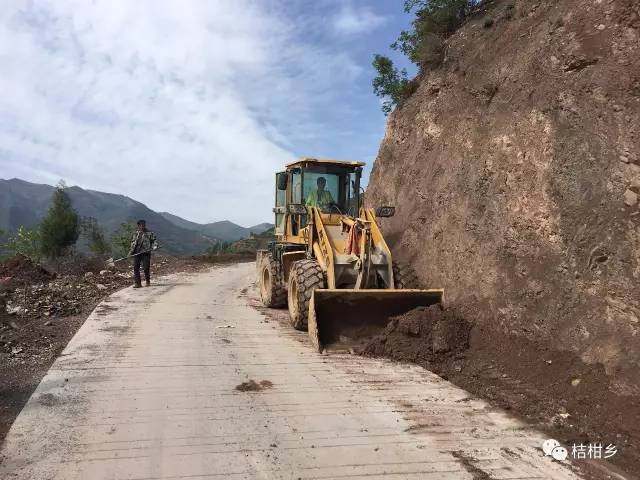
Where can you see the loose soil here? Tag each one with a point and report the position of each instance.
(424, 334)
(253, 386)
(48, 309)
(225, 258)
(513, 374)
(553, 390)
(20, 269)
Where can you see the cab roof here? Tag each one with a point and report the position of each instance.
(316, 161)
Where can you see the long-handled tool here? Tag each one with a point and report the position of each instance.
(112, 263)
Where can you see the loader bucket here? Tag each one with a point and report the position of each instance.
(342, 319)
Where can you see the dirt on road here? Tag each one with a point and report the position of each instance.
(555, 391)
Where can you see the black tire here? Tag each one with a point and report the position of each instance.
(272, 291)
(404, 277)
(304, 278)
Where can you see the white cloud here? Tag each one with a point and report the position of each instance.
(351, 21)
(188, 106)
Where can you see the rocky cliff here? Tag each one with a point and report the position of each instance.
(515, 170)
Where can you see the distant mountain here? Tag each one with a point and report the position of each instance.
(25, 203)
(180, 222)
(225, 230)
(261, 227)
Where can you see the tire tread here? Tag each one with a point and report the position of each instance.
(308, 276)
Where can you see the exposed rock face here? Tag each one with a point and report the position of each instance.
(515, 170)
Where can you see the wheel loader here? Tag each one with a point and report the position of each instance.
(330, 263)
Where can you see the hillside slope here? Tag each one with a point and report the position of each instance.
(224, 230)
(515, 169)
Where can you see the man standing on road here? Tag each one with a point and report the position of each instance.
(143, 242)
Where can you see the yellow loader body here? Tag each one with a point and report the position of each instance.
(331, 264)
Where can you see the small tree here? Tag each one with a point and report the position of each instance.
(60, 228)
(95, 236)
(121, 239)
(435, 20)
(26, 242)
(389, 84)
(423, 44)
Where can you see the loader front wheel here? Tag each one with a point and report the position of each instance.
(304, 278)
(272, 291)
(404, 277)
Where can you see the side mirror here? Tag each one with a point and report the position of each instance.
(281, 181)
(384, 212)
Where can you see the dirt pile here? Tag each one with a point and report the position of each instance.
(79, 264)
(421, 336)
(19, 270)
(63, 296)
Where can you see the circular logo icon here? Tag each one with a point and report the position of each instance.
(559, 453)
(549, 445)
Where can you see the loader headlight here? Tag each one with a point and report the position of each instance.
(385, 211)
(298, 209)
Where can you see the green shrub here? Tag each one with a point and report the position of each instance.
(423, 45)
(121, 239)
(95, 236)
(440, 16)
(26, 242)
(435, 20)
(60, 228)
(390, 84)
(431, 51)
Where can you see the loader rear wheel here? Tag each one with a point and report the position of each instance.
(304, 278)
(272, 291)
(404, 277)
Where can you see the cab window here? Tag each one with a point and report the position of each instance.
(342, 184)
(311, 184)
(296, 188)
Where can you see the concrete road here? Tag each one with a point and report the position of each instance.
(188, 380)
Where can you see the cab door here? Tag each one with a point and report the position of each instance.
(280, 207)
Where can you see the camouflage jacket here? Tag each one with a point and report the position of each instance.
(143, 242)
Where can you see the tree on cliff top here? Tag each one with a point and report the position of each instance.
(423, 44)
(60, 228)
(435, 20)
(390, 83)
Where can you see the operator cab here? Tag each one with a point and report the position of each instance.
(299, 187)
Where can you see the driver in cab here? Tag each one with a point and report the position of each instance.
(320, 198)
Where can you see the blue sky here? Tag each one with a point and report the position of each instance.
(188, 106)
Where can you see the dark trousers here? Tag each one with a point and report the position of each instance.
(145, 260)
